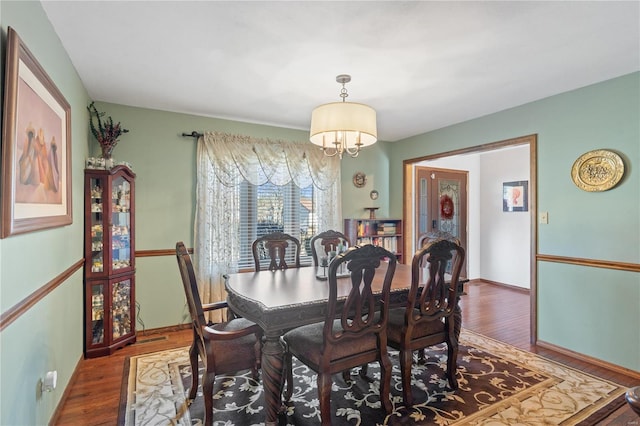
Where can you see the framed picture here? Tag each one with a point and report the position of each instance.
(36, 146)
(515, 196)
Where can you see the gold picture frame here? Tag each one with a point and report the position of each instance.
(36, 146)
(597, 170)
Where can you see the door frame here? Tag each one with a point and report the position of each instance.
(409, 215)
(433, 198)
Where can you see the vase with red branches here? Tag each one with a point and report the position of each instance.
(105, 131)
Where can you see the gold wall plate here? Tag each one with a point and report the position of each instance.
(597, 170)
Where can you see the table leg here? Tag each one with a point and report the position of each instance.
(272, 376)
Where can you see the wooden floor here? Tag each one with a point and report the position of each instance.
(93, 398)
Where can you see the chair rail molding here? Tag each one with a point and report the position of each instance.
(13, 313)
(596, 263)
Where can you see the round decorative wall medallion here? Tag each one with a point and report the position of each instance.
(597, 170)
(374, 195)
(359, 180)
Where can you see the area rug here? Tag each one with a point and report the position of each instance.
(498, 385)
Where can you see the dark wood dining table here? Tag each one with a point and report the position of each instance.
(281, 300)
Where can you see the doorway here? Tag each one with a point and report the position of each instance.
(412, 221)
(441, 203)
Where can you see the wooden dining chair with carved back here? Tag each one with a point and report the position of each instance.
(223, 347)
(353, 333)
(322, 245)
(277, 248)
(325, 242)
(423, 239)
(429, 316)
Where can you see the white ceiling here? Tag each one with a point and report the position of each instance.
(422, 65)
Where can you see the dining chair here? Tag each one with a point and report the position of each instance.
(326, 242)
(428, 318)
(224, 347)
(277, 247)
(354, 332)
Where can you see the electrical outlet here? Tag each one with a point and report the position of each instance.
(544, 218)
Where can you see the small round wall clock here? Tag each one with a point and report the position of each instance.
(359, 180)
(597, 170)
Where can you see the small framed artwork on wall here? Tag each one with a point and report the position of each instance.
(515, 196)
(36, 146)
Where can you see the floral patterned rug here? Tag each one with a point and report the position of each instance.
(498, 385)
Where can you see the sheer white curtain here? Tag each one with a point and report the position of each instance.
(224, 161)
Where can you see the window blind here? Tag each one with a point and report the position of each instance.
(270, 208)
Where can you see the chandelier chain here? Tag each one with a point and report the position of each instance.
(343, 93)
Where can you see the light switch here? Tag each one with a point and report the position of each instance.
(544, 217)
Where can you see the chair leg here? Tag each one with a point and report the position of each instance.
(208, 379)
(385, 382)
(324, 393)
(422, 356)
(288, 365)
(406, 358)
(193, 358)
(364, 369)
(452, 363)
(258, 354)
(346, 374)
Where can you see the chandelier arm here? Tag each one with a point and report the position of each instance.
(351, 151)
(326, 151)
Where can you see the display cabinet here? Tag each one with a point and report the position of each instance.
(109, 269)
(386, 233)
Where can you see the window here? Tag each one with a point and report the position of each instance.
(269, 208)
(234, 201)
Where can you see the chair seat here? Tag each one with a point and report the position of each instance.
(421, 329)
(243, 347)
(304, 342)
(233, 325)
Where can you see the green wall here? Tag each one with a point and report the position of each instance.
(598, 226)
(49, 335)
(601, 226)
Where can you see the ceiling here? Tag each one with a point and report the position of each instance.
(422, 65)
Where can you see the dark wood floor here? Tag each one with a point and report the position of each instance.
(94, 396)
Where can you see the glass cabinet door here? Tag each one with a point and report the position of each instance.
(121, 308)
(120, 224)
(97, 314)
(97, 234)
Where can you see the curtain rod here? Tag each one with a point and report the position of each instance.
(193, 134)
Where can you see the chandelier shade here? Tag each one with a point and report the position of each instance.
(343, 127)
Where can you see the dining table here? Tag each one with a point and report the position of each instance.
(281, 300)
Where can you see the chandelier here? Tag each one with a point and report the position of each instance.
(343, 127)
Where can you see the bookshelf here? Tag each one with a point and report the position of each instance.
(380, 232)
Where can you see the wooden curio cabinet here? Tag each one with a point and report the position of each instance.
(109, 268)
